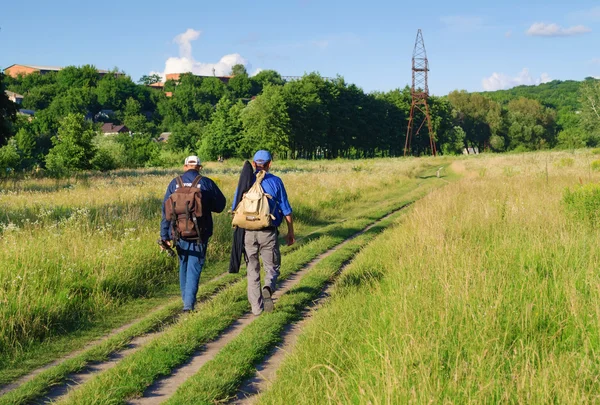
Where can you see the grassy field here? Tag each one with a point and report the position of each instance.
(73, 254)
(489, 291)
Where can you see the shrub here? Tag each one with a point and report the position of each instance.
(104, 161)
(565, 162)
(584, 203)
(596, 165)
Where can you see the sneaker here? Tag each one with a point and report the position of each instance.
(267, 300)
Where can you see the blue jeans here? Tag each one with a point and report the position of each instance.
(191, 259)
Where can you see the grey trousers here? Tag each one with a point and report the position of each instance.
(265, 243)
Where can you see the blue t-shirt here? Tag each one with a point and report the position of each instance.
(279, 204)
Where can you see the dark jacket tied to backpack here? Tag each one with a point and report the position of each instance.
(237, 249)
(213, 200)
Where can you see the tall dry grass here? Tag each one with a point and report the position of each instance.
(71, 253)
(489, 291)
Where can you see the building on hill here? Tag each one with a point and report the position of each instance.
(14, 97)
(158, 86)
(112, 129)
(29, 114)
(164, 137)
(24, 70)
(177, 76)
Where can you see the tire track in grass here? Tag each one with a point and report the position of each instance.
(114, 332)
(267, 370)
(178, 343)
(219, 380)
(165, 388)
(4, 389)
(49, 381)
(105, 353)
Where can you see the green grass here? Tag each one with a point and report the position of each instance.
(41, 383)
(133, 374)
(370, 204)
(72, 256)
(220, 378)
(486, 293)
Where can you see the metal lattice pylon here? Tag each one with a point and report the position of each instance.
(419, 93)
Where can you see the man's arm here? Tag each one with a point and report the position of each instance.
(286, 209)
(290, 237)
(164, 223)
(219, 199)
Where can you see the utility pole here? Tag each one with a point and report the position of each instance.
(419, 93)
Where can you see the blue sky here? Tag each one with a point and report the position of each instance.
(472, 45)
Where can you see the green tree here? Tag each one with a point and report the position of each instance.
(25, 141)
(530, 124)
(147, 80)
(8, 113)
(589, 97)
(478, 116)
(139, 149)
(73, 76)
(240, 86)
(113, 91)
(308, 115)
(185, 136)
(239, 69)
(265, 77)
(133, 117)
(221, 137)
(266, 123)
(9, 159)
(40, 97)
(212, 89)
(73, 145)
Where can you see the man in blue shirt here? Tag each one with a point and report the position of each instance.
(265, 241)
(193, 252)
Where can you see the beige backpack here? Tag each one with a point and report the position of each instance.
(253, 213)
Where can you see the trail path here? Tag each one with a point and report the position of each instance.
(22, 380)
(165, 387)
(267, 370)
(77, 379)
(93, 369)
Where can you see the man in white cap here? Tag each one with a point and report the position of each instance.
(192, 251)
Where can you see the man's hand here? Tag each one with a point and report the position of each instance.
(167, 246)
(290, 238)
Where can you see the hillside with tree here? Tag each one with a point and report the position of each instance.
(308, 118)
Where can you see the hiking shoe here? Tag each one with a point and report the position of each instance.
(267, 300)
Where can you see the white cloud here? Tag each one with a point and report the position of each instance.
(185, 42)
(463, 23)
(185, 62)
(501, 81)
(555, 30)
(257, 71)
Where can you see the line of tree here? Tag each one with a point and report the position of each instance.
(309, 118)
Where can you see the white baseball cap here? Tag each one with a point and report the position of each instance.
(192, 161)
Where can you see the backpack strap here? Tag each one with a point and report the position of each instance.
(260, 176)
(179, 181)
(196, 181)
